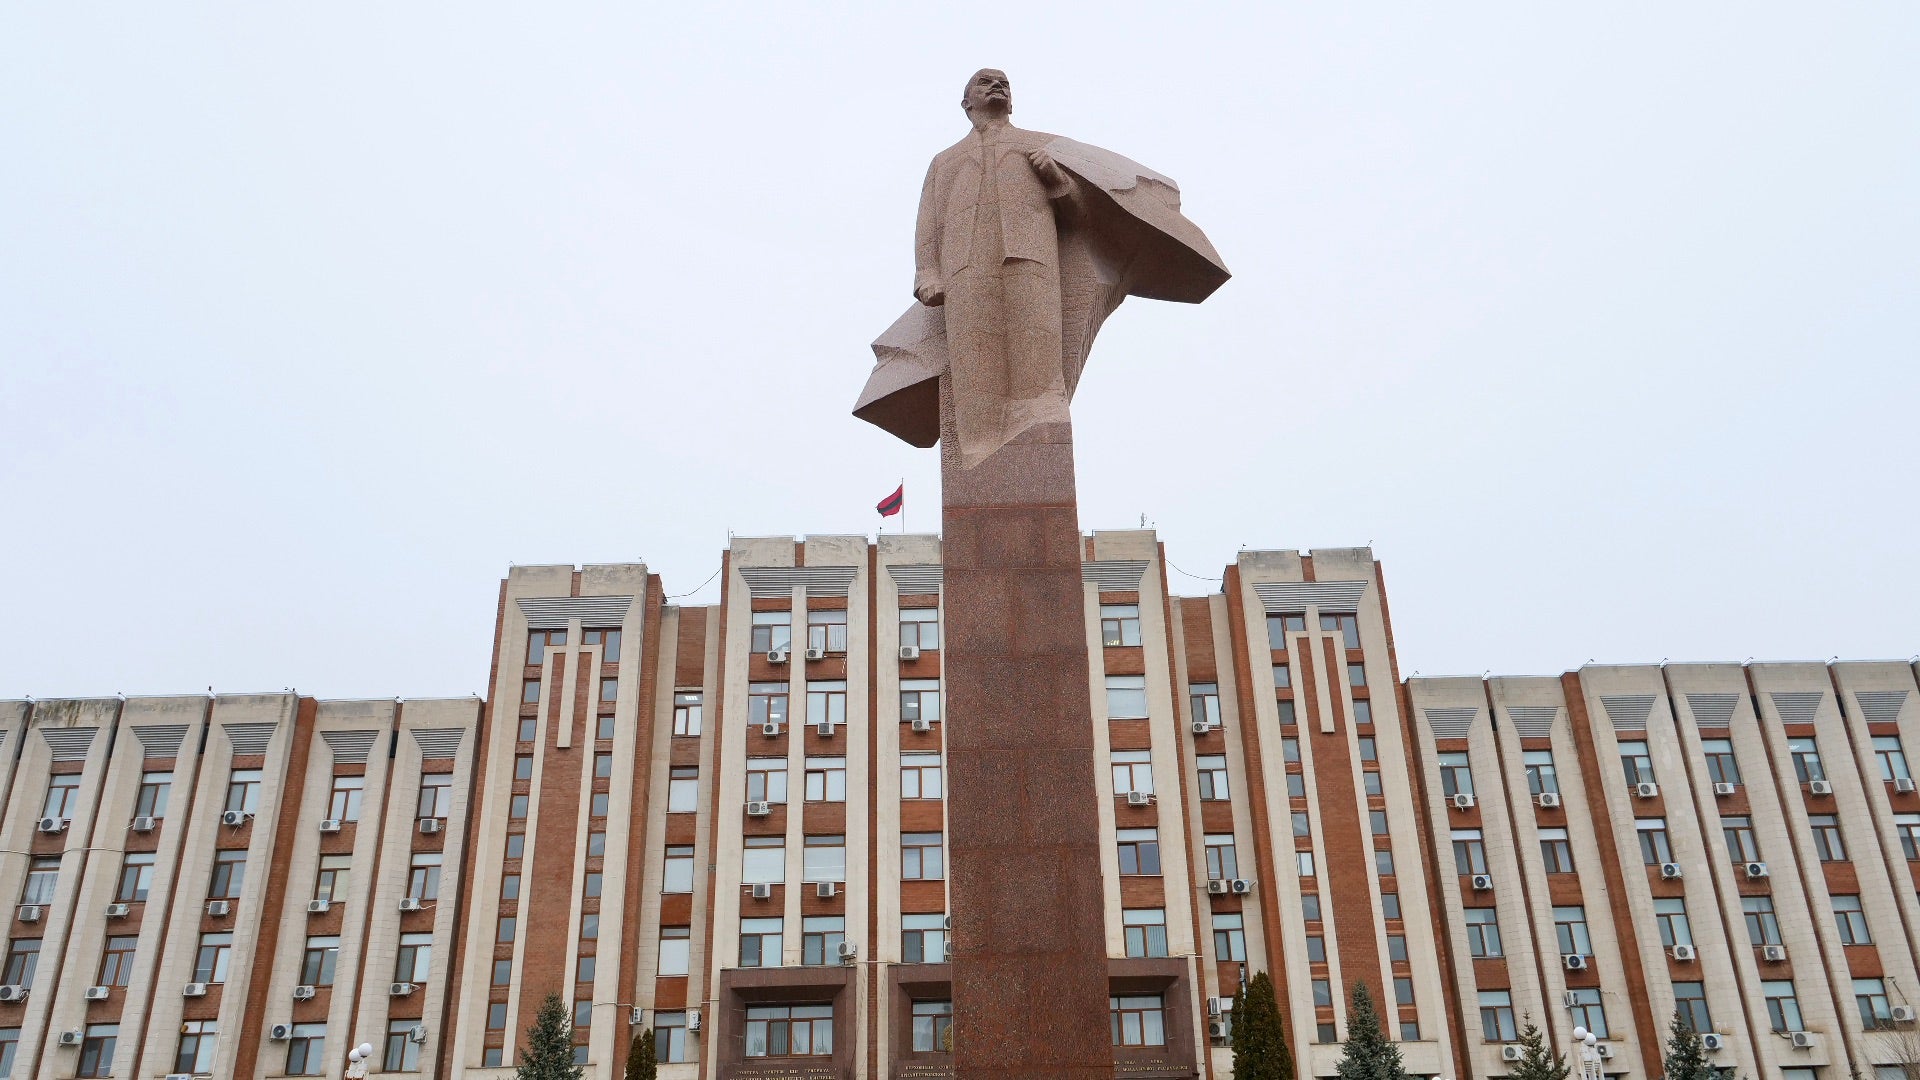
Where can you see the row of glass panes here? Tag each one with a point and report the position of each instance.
(1636, 763)
(827, 630)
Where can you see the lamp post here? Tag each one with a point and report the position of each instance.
(1589, 1053)
(357, 1059)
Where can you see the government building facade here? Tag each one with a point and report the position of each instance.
(725, 823)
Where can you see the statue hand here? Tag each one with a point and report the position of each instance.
(1050, 171)
(930, 295)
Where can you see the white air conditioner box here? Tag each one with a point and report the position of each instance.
(13, 993)
(304, 993)
(31, 913)
(1723, 790)
(777, 656)
(410, 903)
(144, 824)
(693, 1019)
(1756, 869)
(280, 1032)
(1548, 800)
(1684, 952)
(1712, 1040)
(1605, 1050)
(1217, 887)
(1645, 790)
(759, 809)
(762, 891)
(923, 725)
(1902, 1014)
(816, 654)
(318, 907)
(97, 993)
(1138, 798)
(826, 890)
(400, 989)
(219, 909)
(1482, 882)
(846, 951)
(1670, 870)
(909, 652)
(1463, 801)
(52, 824)
(72, 1038)
(1242, 885)
(194, 990)
(1574, 961)
(417, 1033)
(430, 825)
(769, 730)
(233, 817)
(1802, 1040)
(1201, 727)
(1510, 1053)
(825, 729)
(330, 825)
(1820, 787)
(1773, 954)
(119, 911)
(1218, 1029)
(1903, 784)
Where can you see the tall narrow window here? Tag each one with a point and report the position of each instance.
(1670, 915)
(1126, 697)
(1806, 760)
(116, 960)
(436, 796)
(1139, 852)
(1229, 936)
(920, 627)
(213, 958)
(676, 945)
(827, 702)
(1483, 933)
(1204, 700)
(923, 939)
(1347, 626)
(1280, 627)
(96, 1049)
(151, 801)
(767, 779)
(1132, 771)
(1654, 846)
(1145, 931)
(1827, 844)
(1222, 863)
(1570, 928)
(136, 877)
(1891, 757)
(921, 858)
(63, 796)
(827, 630)
(423, 875)
(687, 707)
(1456, 776)
(919, 700)
(243, 790)
(766, 703)
(760, 942)
(920, 776)
(1120, 624)
(1763, 926)
(1469, 852)
(539, 641)
(1851, 920)
(764, 860)
(336, 871)
(826, 779)
(1213, 777)
(677, 874)
(344, 803)
(415, 962)
(1690, 1001)
(609, 641)
(771, 630)
(317, 963)
(1138, 1020)
(229, 874)
(1541, 777)
(1722, 766)
(1741, 845)
(683, 789)
(1636, 763)
(820, 939)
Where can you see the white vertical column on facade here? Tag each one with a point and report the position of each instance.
(1542, 701)
(1879, 694)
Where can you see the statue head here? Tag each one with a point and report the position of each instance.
(988, 93)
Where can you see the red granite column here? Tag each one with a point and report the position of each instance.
(1030, 967)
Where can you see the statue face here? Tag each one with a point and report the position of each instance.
(988, 92)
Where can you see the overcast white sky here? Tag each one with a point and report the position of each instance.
(1600, 325)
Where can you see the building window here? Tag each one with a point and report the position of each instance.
(919, 700)
(920, 627)
(1377, 819)
(1763, 927)
(211, 959)
(1556, 854)
(243, 790)
(683, 789)
(1806, 760)
(497, 1016)
(1389, 905)
(767, 779)
(1383, 862)
(1483, 933)
(932, 1027)
(1541, 777)
(1324, 1034)
(827, 630)
(920, 858)
(506, 930)
(608, 638)
(116, 960)
(789, 1031)
(670, 1036)
(1213, 777)
(820, 939)
(415, 961)
(1302, 824)
(529, 694)
(1132, 771)
(771, 630)
(9, 1045)
(1126, 697)
(602, 766)
(344, 803)
(1204, 699)
(1139, 852)
(436, 796)
(1496, 1016)
(1316, 949)
(1456, 777)
(1409, 1031)
(336, 872)
(155, 787)
(401, 1054)
(583, 969)
(1850, 920)
(1783, 1008)
(1826, 838)
(592, 884)
(1587, 1012)
(589, 925)
(1570, 928)
(523, 767)
(923, 939)
(1229, 936)
(1722, 767)
(766, 703)
(1356, 674)
(1138, 1020)
(517, 807)
(197, 1042)
(229, 874)
(1402, 990)
(676, 944)
(823, 858)
(1370, 780)
(1636, 763)
(1284, 708)
(1146, 931)
(1290, 750)
(920, 776)
(96, 1050)
(1892, 759)
(1469, 852)
(763, 860)
(1670, 915)
(827, 702)
(609, 692)
(1347, 626)
(1310, 907)
(1297, 783)
(1908, 827)
(1280, 626)
(1741, 845)
(1654, 846)
(678, 874)
(686, 712)
(1221, 861)
(1303, 863)
(63, 795)
(1120, 624)
(423, 876)
(1362, 713)
(136, 877)
(318, 961)
(1690, 1001)
(23, 955)
(538, 641)
(1397, 952)
(826, 779)
(1871, 996)
(307, 1050)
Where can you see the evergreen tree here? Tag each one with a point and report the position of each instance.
(1686, 1056)
(548, 1054)
(1367, 1054)
(642, 1060)
(1535, 1062)
(1259, 1035)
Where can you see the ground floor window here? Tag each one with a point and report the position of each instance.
(789, 1031)
(1138, 1020)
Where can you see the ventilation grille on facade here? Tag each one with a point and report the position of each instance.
(778, 582)
(1628, 712)
(1881, 706)
(438, 742)
(350, 747)
(250, 738)
(916, 579)
(69, 744)
(1533, 721)
(1292, 597)
(1797, 707)
(160, 740)
(1451, 723)
(1114, 575)
(552, 612)
(3, 738)
(1713, 710)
